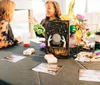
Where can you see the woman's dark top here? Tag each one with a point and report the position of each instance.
(6, 35)
(44, 23)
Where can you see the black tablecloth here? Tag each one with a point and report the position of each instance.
(20, 73)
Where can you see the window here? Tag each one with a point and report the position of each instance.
(20, 22)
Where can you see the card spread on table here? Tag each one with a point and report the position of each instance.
(89, 75)
(52, 69)
(13, 58)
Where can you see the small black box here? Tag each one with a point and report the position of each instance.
(57, 38)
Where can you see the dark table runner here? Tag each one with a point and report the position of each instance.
(20, 73)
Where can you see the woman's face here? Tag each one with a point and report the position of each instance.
(50, 10)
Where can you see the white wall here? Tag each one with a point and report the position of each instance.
(93, 13)
(63, 5)
(23, 4)
(93, 6)
(38, 9)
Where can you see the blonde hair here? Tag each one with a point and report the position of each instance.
(56, 7)
(6, 9)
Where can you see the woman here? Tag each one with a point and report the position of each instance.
(6, 14)
(53, 11)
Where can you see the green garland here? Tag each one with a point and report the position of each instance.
(39, 29)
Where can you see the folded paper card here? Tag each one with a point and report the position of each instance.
(13, 58)
(89, 75)
(52, 69)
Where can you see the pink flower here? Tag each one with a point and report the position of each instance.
(80, 17)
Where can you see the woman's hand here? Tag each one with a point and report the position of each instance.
(19, 39)
(32, 20)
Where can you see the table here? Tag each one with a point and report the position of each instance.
(20, 73)
(91, 65)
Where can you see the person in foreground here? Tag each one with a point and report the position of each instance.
(6, 14)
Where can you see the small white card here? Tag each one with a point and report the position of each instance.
(38, 40)
(14, 58)
(89, 75)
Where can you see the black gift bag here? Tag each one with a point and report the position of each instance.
(57, 38)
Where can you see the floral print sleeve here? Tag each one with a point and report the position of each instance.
(6, 35)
